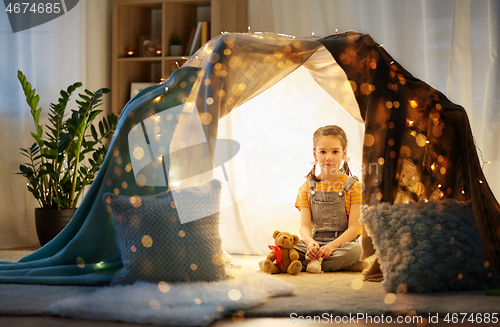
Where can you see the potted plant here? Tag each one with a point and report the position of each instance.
(66, 155)
(175, 45)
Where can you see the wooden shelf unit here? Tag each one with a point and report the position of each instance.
(135, 20)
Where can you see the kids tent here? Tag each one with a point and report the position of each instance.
(417, 146)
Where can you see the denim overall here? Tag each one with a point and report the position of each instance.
(328, 221)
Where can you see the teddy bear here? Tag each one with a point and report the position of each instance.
(283, 258)
(314, 265)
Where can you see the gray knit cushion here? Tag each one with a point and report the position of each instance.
(425, 247)
(156, 247)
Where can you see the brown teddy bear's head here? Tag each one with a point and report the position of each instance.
(285, 240)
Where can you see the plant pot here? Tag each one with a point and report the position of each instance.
(50, 222)
(176, 50)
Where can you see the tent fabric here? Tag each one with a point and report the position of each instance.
(85, 252)
(417, 146)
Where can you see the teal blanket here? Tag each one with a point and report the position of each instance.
(85, 252)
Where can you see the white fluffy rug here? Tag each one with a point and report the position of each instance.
(194, 304)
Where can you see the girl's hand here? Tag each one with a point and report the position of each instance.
(311, 252)
(326, 251)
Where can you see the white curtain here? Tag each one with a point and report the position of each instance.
(71, 48)
(450, 44)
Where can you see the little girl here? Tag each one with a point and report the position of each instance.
(329, 205)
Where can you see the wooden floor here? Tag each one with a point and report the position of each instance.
(239, 322)
(44, 321)
(30, 248)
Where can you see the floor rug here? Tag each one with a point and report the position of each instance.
(339, 294)
(181, 304)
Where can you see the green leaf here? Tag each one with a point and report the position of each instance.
(26, 155)
(106, 125)
(25, 170)
(94, 132)
(35, 136)
(81, 103)
(61, 142)
(31, 93)
(89, 145)
(49, 167)
(101, 127)
(37, 114)
(49, 155)
(34, 103)
(73, 87)
(113, 119)
(34, 147)
(86, 98)
(94, 114)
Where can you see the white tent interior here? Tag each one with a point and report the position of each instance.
(277, 153)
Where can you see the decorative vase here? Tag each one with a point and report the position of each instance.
(176, 50)
(50, 222)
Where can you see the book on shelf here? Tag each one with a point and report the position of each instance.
(196, 39)
(190, 41)
(200, 37)
(204, 33)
